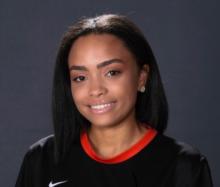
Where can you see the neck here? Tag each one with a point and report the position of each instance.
(109, 142)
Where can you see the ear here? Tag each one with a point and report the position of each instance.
(143, 76)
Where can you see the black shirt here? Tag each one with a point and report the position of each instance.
(161, 162)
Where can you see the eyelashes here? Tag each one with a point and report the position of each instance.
(78, 79)
(111, 73)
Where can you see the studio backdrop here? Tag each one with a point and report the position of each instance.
(183, 34)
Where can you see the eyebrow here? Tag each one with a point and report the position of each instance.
(100, 65)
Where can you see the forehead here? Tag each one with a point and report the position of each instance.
(97, 48)
(98, 39)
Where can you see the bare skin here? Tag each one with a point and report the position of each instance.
(95, 82)
(108, 144)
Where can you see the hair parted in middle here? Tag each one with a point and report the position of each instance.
(151, 106)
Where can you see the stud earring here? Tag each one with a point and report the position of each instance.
(142, 89)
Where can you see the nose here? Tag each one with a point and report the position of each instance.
(97, 88)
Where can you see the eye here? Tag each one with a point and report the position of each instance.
(78, 79)
(113, 73)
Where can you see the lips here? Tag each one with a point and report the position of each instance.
(102, 107)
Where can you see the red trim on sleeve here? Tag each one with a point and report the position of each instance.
(143, 142)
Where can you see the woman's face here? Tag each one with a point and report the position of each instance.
(104, 79)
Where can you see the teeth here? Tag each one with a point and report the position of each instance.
(100, 106)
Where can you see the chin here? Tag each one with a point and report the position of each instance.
(101, 123)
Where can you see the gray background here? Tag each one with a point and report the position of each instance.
(184, 35)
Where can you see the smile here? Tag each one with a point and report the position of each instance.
(98, 109)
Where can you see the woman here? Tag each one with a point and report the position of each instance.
(109, 114)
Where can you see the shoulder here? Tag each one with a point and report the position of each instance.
(183, 154)
(174, 162)
(174, 150)
(179, 147)
(38, 163)
(42, 143)
(42, 149)
(188, 165)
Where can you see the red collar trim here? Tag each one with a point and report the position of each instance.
(143, 142)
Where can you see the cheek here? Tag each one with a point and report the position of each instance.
(130, 81)
(126, 88)
(77, 94)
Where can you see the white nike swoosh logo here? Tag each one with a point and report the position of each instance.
(55, 184)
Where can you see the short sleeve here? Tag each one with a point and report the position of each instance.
(24, 177)
(192, 171)
(203, 175)
(38, 164)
